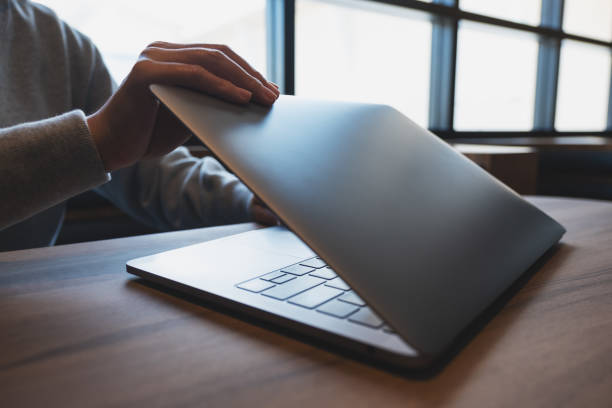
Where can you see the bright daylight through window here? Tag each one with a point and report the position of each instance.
(530, 66)
(121, 29)
(386, 63)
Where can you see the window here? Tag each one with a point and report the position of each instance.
(521, 11)
(364, 52)
(122, 29)
(589, 18)
(496, 75)
(584, 86)
(461, 67)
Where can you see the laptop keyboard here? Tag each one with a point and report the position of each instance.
(313, 285)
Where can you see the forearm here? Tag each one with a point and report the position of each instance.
(179, 191)
(44, 163)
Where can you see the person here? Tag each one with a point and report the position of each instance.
(65, 127)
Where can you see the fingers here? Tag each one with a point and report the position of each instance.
(245, 65)
(217, 63)
(264, 216)
(228, 52)
(147, 71)
(261, 213)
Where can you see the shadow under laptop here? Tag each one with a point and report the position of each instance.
(546, 265)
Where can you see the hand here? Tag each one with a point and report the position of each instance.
(262, 214)
(131, 125)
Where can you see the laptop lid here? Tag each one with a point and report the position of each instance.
(428, 238)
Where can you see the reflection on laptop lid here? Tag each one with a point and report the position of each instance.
(427, 238)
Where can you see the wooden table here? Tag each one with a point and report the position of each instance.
(559, 143)
(76, 330)
(515, 166)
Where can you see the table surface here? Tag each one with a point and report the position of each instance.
(490, 149)
(77, 330)
(571, 143)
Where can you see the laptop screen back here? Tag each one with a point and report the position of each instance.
(428, 238)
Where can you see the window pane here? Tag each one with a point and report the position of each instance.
(522, 11)
(121, 29)
(365, 52)
(584, 85)
(589, 18)
(496, 75)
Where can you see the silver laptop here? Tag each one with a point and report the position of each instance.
(395, 243)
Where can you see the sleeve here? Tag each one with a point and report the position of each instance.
(179, 191)
(44, 163)
(175, 191)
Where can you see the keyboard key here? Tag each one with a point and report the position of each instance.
(272, 275)
(291, 288)
(325, 273)
(255, 285)
(315, 296)
(283, 278)
(314, 263)
(338, 309)
(351, 297)
(364, 316)
(298, 269)
(338, 284)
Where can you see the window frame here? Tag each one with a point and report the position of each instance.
(445, 17)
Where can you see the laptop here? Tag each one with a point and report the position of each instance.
(393, 243)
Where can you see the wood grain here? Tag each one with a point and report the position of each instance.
(77, 330)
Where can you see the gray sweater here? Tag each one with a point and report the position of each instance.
(51, 76)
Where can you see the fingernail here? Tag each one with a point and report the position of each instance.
(268, 96)
(273, 88)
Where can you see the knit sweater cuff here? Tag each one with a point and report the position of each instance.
(44, 163)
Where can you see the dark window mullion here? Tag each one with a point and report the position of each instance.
(442, 70)
(281, 44)
(453, 12)
(609, 127)
(547, 76)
